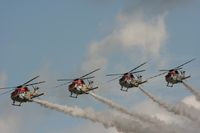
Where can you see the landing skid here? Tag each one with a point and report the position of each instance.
(16, 104)
(124, 90)
(71, 95)
(168, 85)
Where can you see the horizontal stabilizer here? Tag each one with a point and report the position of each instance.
(37, 95)
(186, 77)
(94, 88)
(143, 82)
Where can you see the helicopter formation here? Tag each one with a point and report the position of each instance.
(84, 84)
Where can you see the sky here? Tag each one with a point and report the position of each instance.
(66, 39)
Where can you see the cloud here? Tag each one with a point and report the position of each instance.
(132, 34)
(146, 34)
(191, 101)
(139, 32)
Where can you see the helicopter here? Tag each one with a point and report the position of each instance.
(22, 94)
(128, 80)
(175, 75)
(78, 86)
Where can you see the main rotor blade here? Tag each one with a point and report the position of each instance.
(114, 79)
(6, 92)
(89, 73)
(60, 85)
(157, 75)
(65, 79)
(88, 77)
(185, 63)
(137, 67)
(35, 83)
(82, 79)
(163, 70)
(74, 79)
(123, 74)
(114, 74)
(138, 71)
(30, 80)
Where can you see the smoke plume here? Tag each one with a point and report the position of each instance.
(121, 123)
(121, 109)
(194, 92)
(177, 110)
(77, 112)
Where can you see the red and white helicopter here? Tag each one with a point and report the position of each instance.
(175, 75)
(21, 93)
(78, 86)
(128, 79)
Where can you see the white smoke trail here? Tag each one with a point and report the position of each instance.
(194, 92)
(122, 124)
(121, 109)
(76, 112)
(177, 110)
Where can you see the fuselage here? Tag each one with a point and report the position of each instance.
(174, 76)
(19, 93)
(78, 86)
(128, 81)
(23, 94)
